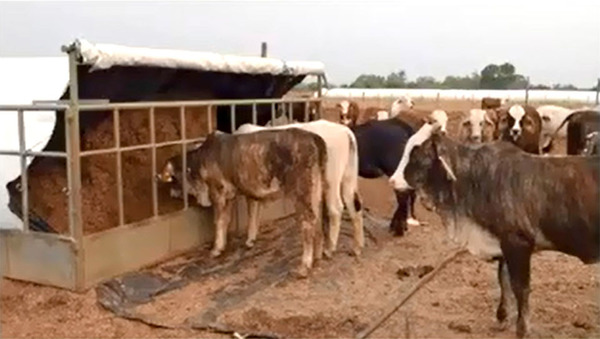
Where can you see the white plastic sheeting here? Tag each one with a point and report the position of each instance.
(587, 97)
(103, 56)
(23, 80)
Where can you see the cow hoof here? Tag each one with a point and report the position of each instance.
(357, 251)
(249, 243)
(215, 253)
(328, 254)
(501, 314)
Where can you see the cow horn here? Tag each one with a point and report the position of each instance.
(449, 171)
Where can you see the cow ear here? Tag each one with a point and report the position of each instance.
(441, 157)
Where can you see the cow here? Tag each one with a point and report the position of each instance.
(491, 103)
(581, 126)
(262, 166)
(402, 104)
(348, 112)
(476, 127)
(383, 115)
(377, 157)
(504, 204)
(341, 175)
(552, 117)
(415, 118)
(521, 125)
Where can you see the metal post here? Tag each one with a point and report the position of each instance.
(153, 142)
(273, 114)
(263, 49)
(74, 171)
(254, 114)
(291, 112)
(24, 181)
(306, 108)
(319, 95)
(184, 183)
(527, 92)
(209, 112)
(598, 92)
(117, 136)
(232, 115)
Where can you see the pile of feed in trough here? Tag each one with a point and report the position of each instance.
(48, 182)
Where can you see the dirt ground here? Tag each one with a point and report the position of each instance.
(341, 297)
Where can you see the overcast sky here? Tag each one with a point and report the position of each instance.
(551, 41)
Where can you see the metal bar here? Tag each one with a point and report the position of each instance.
(263, 49)
(232, 115)
(254, 113)
(33, 107)
(319, 95)
(35, 154)
(74, 172)
(209, 113)
(24, 178)
(117, 136)
(183, 158)
(527, 92)
(174, 104)
(140, 147)
(306, 108)
(66, 102)
(598, 92)
(291, 112)
(153, 143)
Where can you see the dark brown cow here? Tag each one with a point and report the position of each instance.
(502, 203)
(490, 103)
(582, 130)
(521, 125)
(262, 166)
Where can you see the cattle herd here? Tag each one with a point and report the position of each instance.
(498, 191)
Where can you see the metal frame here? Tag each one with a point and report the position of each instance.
(78, 261)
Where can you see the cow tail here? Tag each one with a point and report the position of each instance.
(354, 159)
(322, 156)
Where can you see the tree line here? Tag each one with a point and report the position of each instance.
(492, 76)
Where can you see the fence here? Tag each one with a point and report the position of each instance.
(77, 261)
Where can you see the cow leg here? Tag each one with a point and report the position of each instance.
(253, 219)
(353, 203)
(335, 208)
(503, 280)
(398, 223)
(412, 220)
(223, 210)
(517, 253)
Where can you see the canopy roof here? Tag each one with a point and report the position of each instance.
(104, 56)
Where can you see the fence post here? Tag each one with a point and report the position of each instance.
(263, 49)
(527, 92)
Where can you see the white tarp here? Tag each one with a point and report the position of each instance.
(584, 97)
(103, 56)
(23, 80)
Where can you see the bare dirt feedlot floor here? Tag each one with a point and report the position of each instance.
(341, 297)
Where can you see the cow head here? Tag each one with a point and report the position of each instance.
(478, 126)
(440, 117)
(591, 144)
(425, 157)
(348, 112)
(516, 121)
(402, 104)
(200, 188)
(172, 174)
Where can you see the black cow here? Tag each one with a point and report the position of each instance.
(582, 129)
(380, 146)
(502, 203)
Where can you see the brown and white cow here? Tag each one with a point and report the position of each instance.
(262, 166)
(491, 103)
(341, 175)
(522, 126)
(507, 204)
(348, 112)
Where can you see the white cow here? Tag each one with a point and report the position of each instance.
(477, 127)
(383, 115)
(441, 117)
(552, 116)
(341, 175)
(404, 103)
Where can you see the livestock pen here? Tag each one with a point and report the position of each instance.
(89, 204)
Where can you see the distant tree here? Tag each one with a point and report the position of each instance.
(539, 86)
(461, 82)
(369, 81)
(396, 80)
(499, 76)
(561, 87)
(426, 82)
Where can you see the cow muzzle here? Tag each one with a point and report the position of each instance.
(515, 133)
(399, 184)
